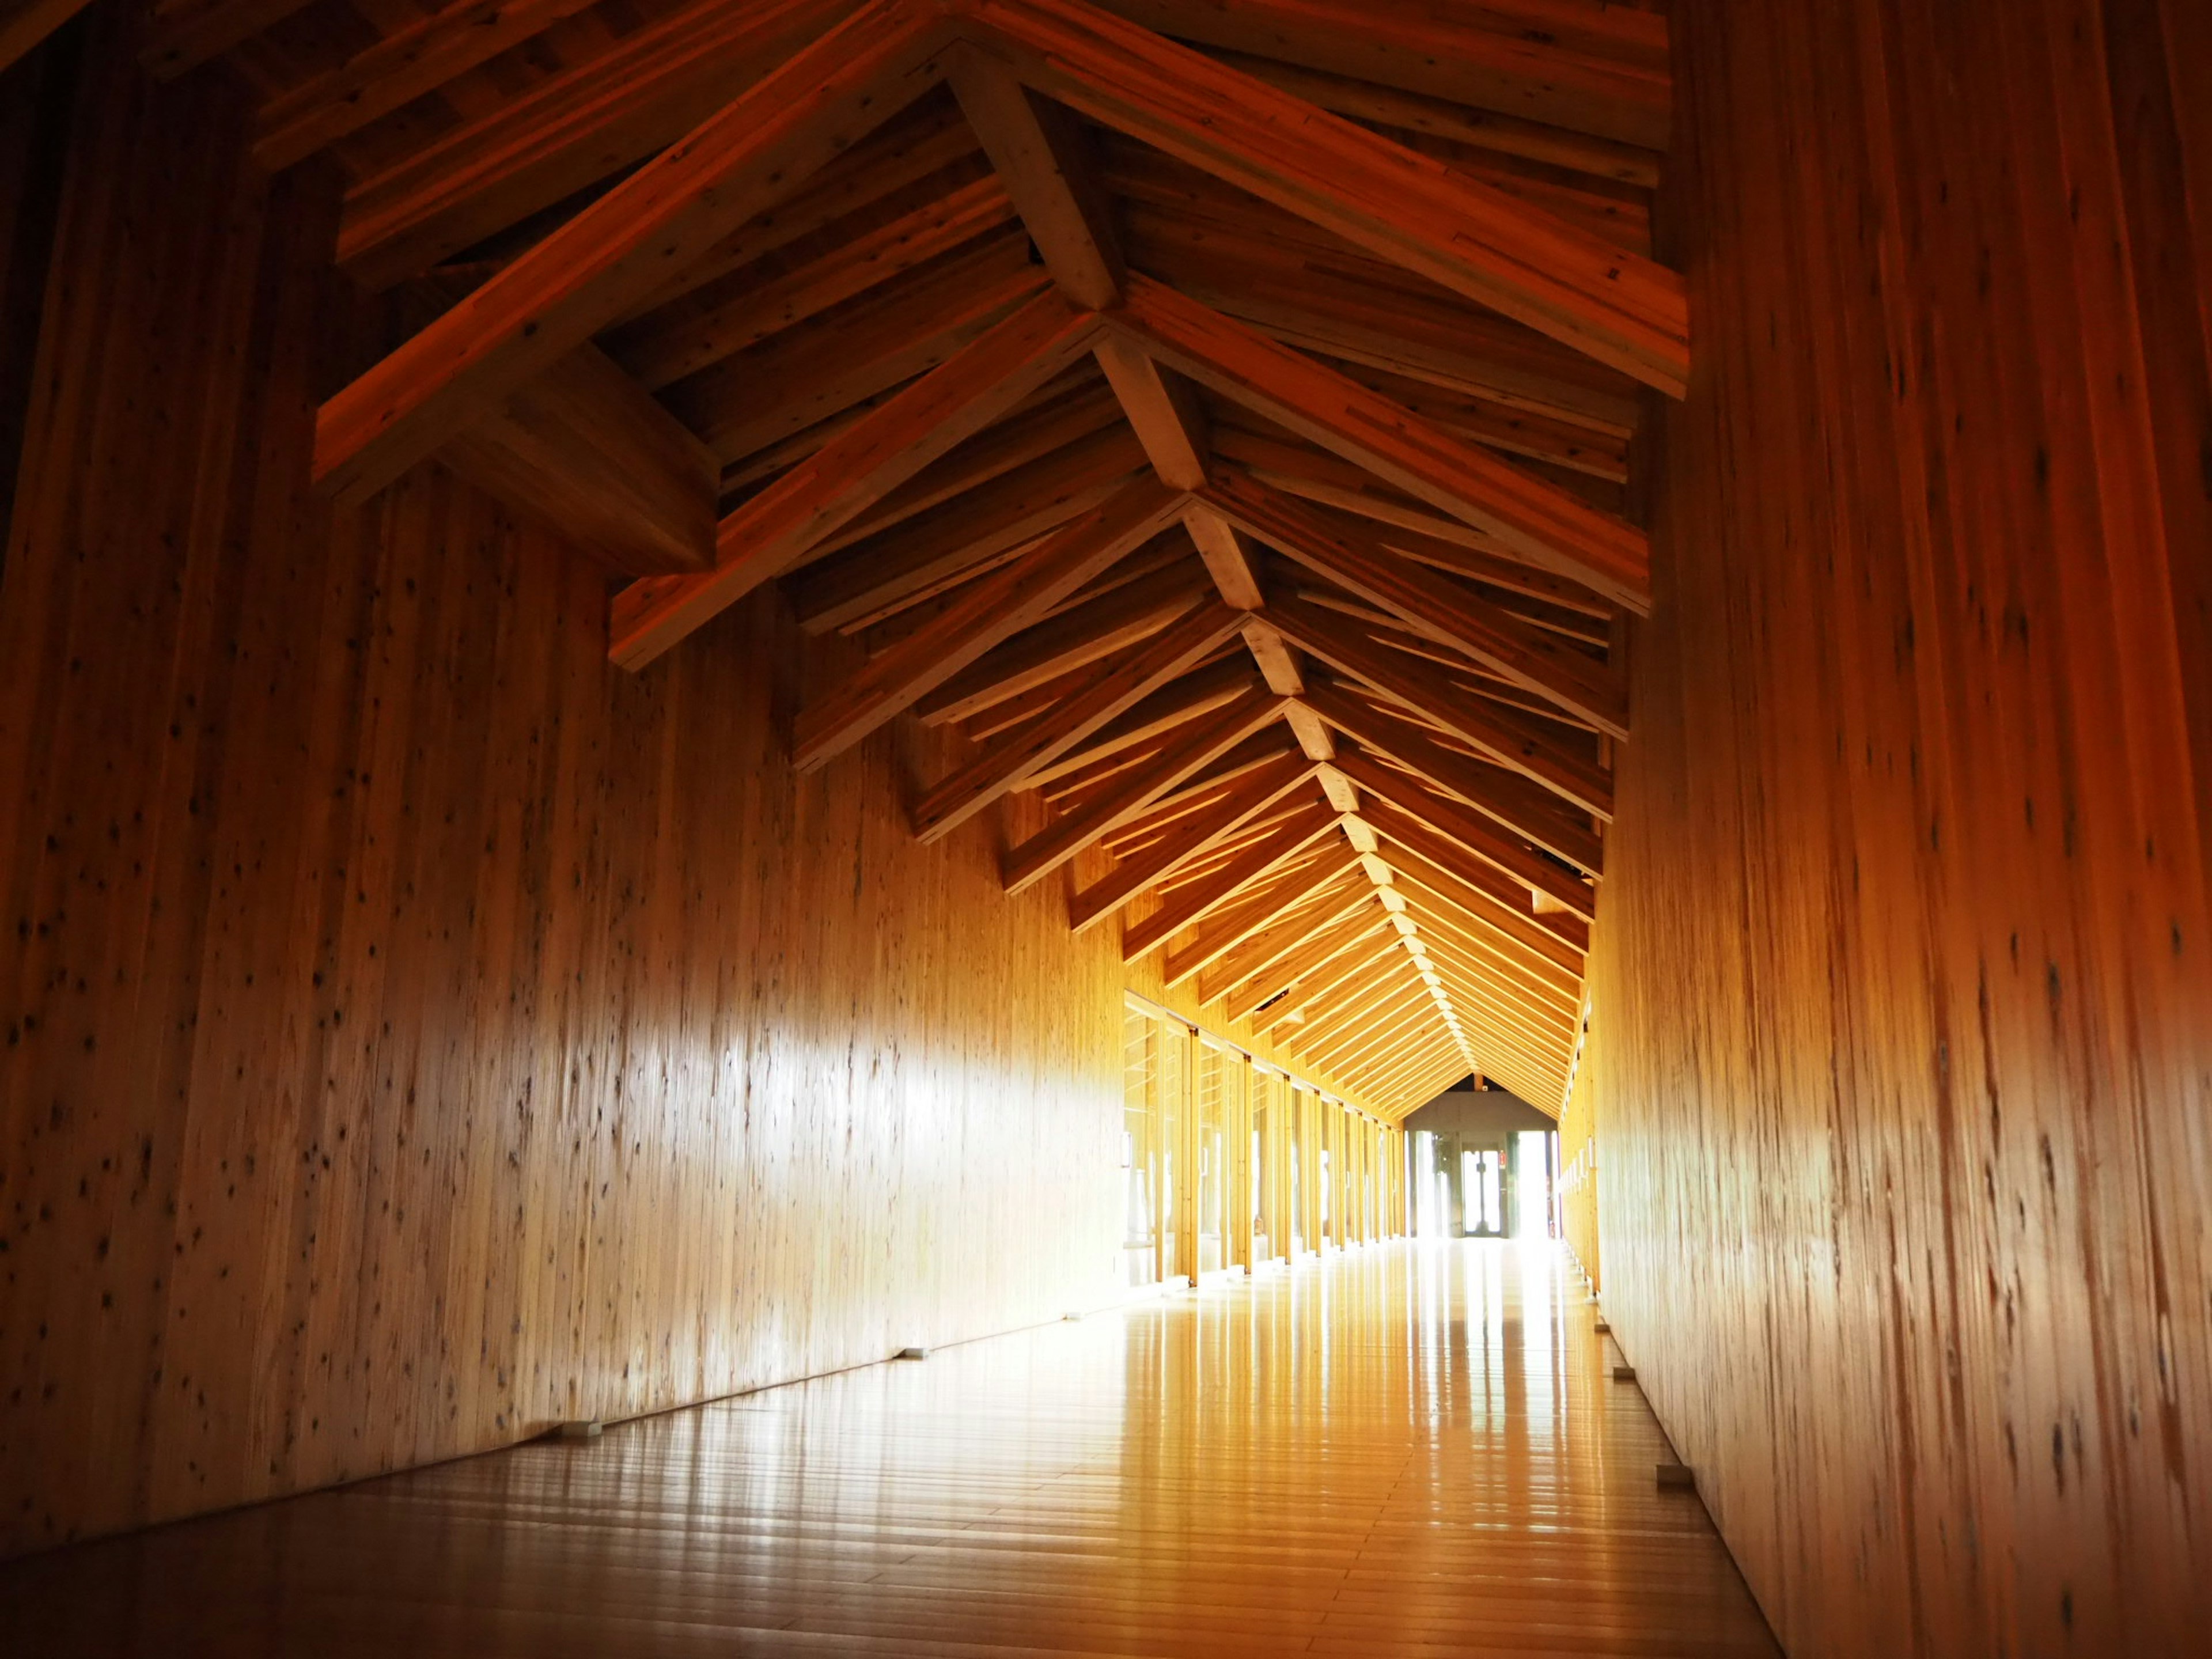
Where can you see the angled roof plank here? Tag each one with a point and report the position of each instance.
(852, 472)
(668, 213)
(1340, 641)
(1407, 207)
(182, 34)
(1249, 797)
(1360, 983)
(546, 144)
(1199, 746)
(1141, 736)
(1444, 769)
(1067, 641)
(990, 610)
(1300, 890)
(1525, 515)
(1257, 910)
(1580, 69)
(588, 452)
(1516, 971)
(1351, 893)
(1498, 919)
(398, 68)
(1111, 689)
(1313, 972)
(1427, 603)
(958, 540)
(663, 348)
(1472, 850)
(1395, 805)
(24, 24)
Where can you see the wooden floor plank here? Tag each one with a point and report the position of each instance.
(1405, 1449)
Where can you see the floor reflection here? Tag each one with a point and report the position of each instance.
(1407, 1447)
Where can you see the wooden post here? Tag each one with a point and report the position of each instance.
(1186, 1144)
(1156, 1147)
(1238, 1210)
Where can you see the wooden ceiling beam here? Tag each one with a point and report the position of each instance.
(1339, 641)
(1069, 640)
(1522, 809)
(1382, 1046)
(664, 348)
(412, 61)
(987, 612)
(1110, 691)
(1530, 975)
(1579, 68)
(1198, 748)
(25, 24)
(1247, 798)
(1257, 753)
(1361, 315)
(1407, 207)
(1542, 1013)
(921, 156)
(581, 276)
(1497, 917)
(873, 346)
(1263, 949)
(1363, 509)
(1311, 974)
(587, 452)
(1426, 603)
(1407, 1034)
(1507, 134)
(1526, 515)
(852, 472)
(1407, 1007)
(1472, 850)
(536, 149)
(1550, 1041)
(182, 34)
(1191, 904)
(961, 539)
(1303, 890)
(1030, 432)
(1077, 778)
(1362, 980)
(1039, 151)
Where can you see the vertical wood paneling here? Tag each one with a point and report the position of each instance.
(416, 1032)
(1900, 1065)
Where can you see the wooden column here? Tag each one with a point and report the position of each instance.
(1188, 1135)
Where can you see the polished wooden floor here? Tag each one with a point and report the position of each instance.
(1409, 1448)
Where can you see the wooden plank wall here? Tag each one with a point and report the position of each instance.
(417, 1033)
(1901, 1052)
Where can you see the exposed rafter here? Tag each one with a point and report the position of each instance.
(1214, 421)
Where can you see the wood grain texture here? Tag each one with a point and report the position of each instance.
(1294, 1466)
(1899, 1052)
(416, 1031)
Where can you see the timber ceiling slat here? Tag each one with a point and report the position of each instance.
(564, 134)
(1263, 527)
(664, 217)
(1337, 641)
(1523, 513)
(853, 471)
(1408, 208)
(1204, 742)
(995, 609)
(1427, 603)
(1248, 797)
(1077, 776)
(1110, 691)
